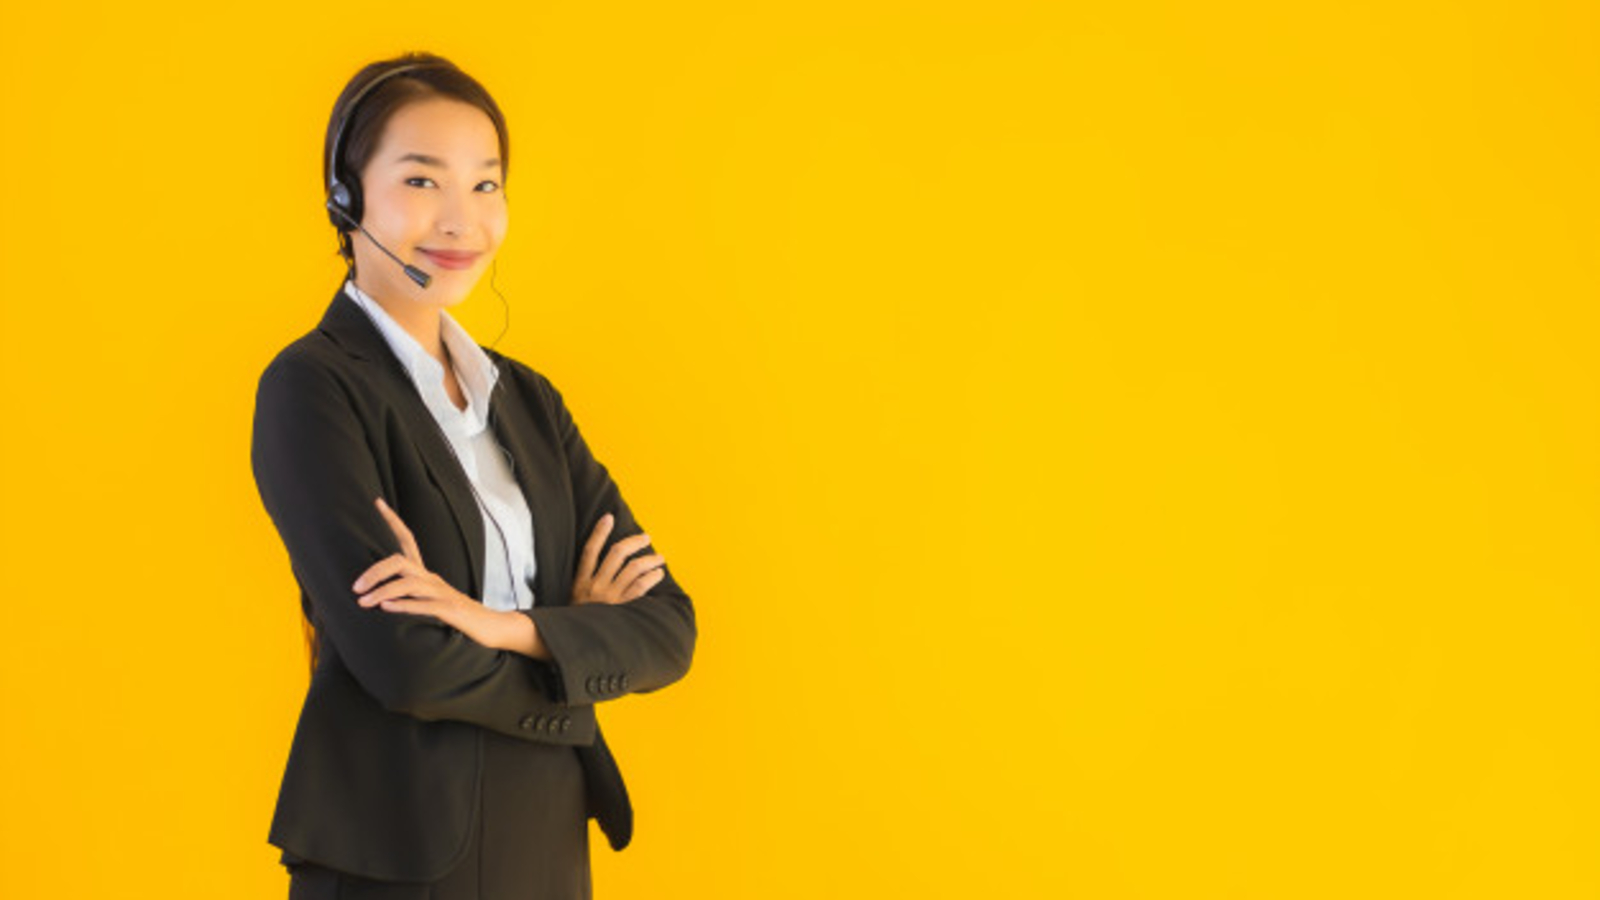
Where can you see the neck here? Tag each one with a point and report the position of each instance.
(420, 320)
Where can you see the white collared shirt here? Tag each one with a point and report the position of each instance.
(480, 454)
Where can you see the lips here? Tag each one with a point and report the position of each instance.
(451, 259)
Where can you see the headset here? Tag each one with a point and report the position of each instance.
(344, 200)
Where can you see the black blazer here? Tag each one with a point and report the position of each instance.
(382, 775)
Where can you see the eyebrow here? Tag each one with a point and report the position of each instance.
(436, 161)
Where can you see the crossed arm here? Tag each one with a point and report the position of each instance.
(318, 480)
(415, 590)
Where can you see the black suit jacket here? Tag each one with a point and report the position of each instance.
(382, 778)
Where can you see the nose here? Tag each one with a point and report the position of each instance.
(454, 215)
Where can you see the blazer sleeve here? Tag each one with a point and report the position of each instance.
(318, 478)
(602, 650)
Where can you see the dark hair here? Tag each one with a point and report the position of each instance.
(441, 78)
(360, 141)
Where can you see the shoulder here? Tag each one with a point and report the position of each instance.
(309, 367)
(314, 349)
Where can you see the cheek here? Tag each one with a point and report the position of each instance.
(495, 223)
(397, 210)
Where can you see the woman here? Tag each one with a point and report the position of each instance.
(431, 495)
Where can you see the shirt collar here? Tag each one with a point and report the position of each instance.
(473, 367)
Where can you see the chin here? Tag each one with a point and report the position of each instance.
(448, 292)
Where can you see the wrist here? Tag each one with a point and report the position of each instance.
(520, 634)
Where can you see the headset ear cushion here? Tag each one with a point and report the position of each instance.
(339, 201)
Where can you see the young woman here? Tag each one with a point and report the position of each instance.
(432, 495)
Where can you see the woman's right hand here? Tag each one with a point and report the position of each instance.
(614, 582)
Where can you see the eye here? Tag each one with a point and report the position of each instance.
(493, 185)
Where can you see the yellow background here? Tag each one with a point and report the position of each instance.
(1116, 450)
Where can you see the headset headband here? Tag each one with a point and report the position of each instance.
(349, 112)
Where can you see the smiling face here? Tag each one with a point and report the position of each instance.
(433, 194)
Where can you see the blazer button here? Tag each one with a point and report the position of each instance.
(550, 725)
(527, 723)
(590, 684)
(565, 721)
(611, 682)
(623, 681)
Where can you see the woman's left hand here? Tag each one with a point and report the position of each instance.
(421, 592)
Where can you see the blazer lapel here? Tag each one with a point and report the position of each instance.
(514, 429)
(348, 325)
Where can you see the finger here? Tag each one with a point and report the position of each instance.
(409, 584)
(392, 564)
(643, 583)
(408, 542)
(414, 607)
(639, 566)
(389, 590)
(591, 547)
(620, 551)
(584, 577)
(437, 605)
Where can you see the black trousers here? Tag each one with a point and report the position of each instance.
(529, 842)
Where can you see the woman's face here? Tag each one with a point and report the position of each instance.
(434, 184)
